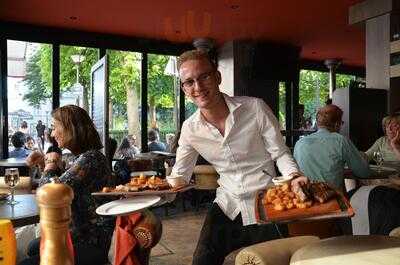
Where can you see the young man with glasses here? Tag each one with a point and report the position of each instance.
(241, 138)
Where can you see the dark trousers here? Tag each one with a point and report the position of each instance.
(84, 254)
(220, 236)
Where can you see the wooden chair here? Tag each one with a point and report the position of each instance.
(206, 178)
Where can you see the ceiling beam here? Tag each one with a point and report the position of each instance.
(34, 33)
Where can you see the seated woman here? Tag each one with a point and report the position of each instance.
(126, 150)
(383, 144)
(89, 172)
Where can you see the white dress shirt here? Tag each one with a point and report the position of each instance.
(251, 143)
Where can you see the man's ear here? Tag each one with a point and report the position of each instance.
(218, 77)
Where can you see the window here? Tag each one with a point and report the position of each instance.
(282, 106)
(29, 91)
(314, 91)
(75, 65)
(162, 96)
(124, 91)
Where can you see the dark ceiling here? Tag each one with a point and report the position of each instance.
(319, 27)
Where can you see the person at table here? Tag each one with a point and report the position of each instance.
(240, 138)
(154, 142)
(91, 234)
(30, 144)
(126, 150)
(18, 141)
(383, 144)
(322, 155)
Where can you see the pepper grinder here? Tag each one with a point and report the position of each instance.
(54, 200)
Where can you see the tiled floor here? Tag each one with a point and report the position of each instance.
(180, 234)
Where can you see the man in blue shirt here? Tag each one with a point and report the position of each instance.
(154, 143)
(322, 155)
(18, 141)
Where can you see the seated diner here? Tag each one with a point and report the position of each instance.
(91, 234)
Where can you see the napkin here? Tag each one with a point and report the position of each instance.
(125, 241)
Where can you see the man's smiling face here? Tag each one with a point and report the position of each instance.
(200, 82)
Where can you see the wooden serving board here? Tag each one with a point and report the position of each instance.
(338, 207)
(145, 192)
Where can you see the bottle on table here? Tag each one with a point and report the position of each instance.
(54, 200)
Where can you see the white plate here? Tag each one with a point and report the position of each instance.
(127, 206)
(281, 180)
(145, 173)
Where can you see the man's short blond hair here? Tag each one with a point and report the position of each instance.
(194, 55)
(329, 116)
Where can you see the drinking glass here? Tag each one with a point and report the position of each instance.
(378, 158)
(11, 178)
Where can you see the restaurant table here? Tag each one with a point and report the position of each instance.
(23, 213)
(378, 177)
(355, 250)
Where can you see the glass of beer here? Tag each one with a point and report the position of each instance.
(11, 178)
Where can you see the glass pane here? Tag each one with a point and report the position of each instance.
(282, 105)
(162, 101)
(343, 81)
(314, 91)
(124, 88)
(75, 65)
(29, 96)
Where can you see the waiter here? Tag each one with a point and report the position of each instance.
(240, 137)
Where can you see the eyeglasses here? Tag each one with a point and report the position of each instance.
(204, 79)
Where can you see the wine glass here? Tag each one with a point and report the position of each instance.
(378, 158)
(11, 178)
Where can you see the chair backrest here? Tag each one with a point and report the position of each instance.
(206, 177)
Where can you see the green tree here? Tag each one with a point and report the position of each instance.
(124, 80)
(159, 86)
(39, 91)
(314, 89)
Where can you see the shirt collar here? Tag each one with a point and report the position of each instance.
(323, 130)
(231, 102)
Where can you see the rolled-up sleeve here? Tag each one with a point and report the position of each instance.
(273, 139)
(186, 156)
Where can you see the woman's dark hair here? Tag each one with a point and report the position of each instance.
(18, 139)
(24, 124)
(124, 144)
(152, 135)
(174, 144)
(79, 129)
(29, 138)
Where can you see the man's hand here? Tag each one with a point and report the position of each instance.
(298, 179)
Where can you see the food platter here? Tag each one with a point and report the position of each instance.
(335, 207)
(145, 192)
(143, 185)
